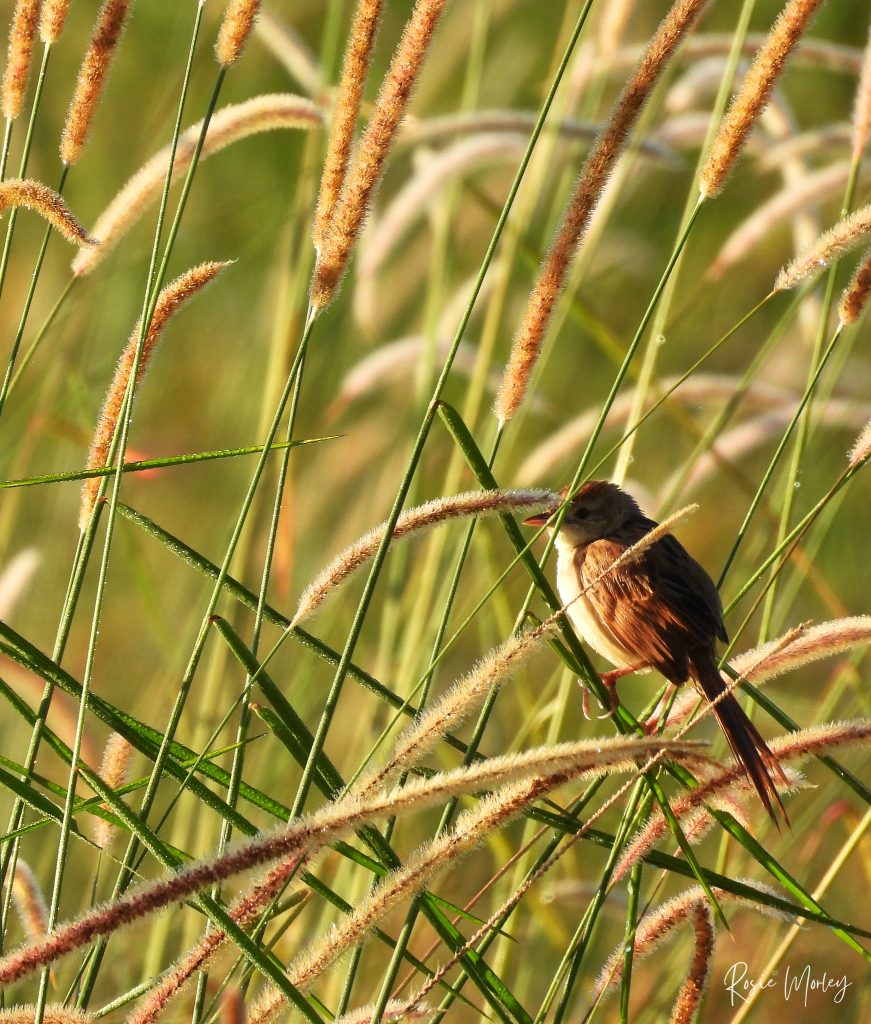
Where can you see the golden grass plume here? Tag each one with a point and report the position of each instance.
(113, 771)
(840, 238)
(33, 195)
(235, 29)
(346, 110)
(92, 77)
(367, 166)
(22, 33)
(233, 123)
(171, 297)
(689, 997)
(55, 1013)
(855, 296)
(52, 20)
(414, 520)
(754, 93)
(861, 448)
(491, 812)
(394, 1011)
(862, 105)
(29, 901)
(661, 924)
(587, 191)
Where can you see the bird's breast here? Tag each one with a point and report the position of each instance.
(581, 612)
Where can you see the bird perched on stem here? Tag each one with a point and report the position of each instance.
(659, 610)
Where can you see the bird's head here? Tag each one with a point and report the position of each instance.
(599, 509)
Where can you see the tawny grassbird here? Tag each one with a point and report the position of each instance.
(658, 611)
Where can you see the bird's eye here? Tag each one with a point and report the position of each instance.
(582, 513)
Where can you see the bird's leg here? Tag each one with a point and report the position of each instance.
(609, 681)
(657, 721)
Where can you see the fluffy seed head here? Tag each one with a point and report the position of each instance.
(861, 446)
(588, 189)
(355, 66)
(856, 293)
(841, 238)
(113, 771)
(754, 93)
(170, 299)
(366, 169)
(52, 19)
(235, 29)
(33, 195)
(22, 33)
(29, 901)
(92, 77)
(862, 106)
(413, 520)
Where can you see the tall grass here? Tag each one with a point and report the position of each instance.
(221, 806)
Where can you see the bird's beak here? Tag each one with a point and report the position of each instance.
(539, 519)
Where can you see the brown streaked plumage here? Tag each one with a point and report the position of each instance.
(658, 611)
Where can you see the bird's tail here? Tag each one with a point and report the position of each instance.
(748, 746)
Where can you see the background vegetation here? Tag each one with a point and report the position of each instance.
(214, 384)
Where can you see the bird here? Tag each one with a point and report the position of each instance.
(659, 610)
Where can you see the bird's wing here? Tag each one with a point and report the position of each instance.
(659, 606)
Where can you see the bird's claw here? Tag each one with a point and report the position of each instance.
(585, 702)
